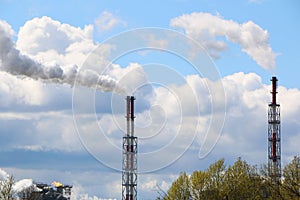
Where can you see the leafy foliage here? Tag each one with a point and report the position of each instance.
(179, 189)
(291, 182)
(239, 181)
(242, 182)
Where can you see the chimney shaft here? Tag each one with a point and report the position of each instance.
(274, 136)
(129, 174)
(274, 90)
(132, 107)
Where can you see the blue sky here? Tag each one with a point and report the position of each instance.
(38, 134)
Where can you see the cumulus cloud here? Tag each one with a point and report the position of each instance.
(14, 91)
(45, 131)
(23, 184)
(6, 28)
(245, 129)
(244, 133)
(52, 42)
(78, 193)
(207, 28)
(15, 63)
(43, 34)
(107, 21)
(154, 182)
(170, 122)
(130, 77)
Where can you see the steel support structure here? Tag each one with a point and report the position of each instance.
(129, 165)
(274, 136)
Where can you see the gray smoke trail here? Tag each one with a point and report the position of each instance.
(13, 62)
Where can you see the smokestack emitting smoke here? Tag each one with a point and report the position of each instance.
(13, 62)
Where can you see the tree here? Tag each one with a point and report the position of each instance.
(6, 188)
(180, 189)
(270, 189)
(239, 181)
(291, 181)
(216, 173)
(242, 182)
(199, 184)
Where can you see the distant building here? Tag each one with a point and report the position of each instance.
(48, 192)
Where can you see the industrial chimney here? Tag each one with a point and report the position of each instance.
(129, 165)
(274, 136)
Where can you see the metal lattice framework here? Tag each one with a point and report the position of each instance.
(274, 136)
(129, 165)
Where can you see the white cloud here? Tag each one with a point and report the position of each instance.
(244, 133)
(107, 21)
(44, 131)
(78, 193)
(51, 42)
(155, 182)
(55, 131)
(45, 34)
(3, 174)
(245, 126)
(206, 28)
(129, 78)
(156, 42)
(7, 28)
(22, 184)
(14, 91)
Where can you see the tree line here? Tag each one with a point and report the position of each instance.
(235, 182)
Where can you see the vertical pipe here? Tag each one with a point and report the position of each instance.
(127, 167)
(274, 86)
(132, 114)
(128, 114)
(131, 145)
(274, 152)
(274, 147)
(132, 107)
(274, 103)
